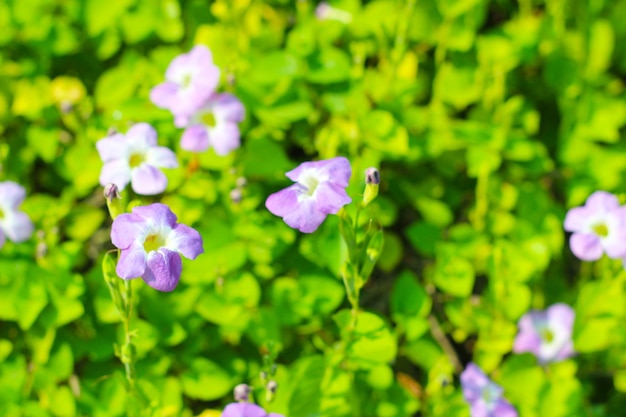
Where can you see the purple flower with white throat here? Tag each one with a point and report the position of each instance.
(14, 224)
(135, 158)
(245, 409)
(215, 125)
(598, 227)
(484, 396)
(151, 243)
(320, 190)
(547, 334)
(191, 79)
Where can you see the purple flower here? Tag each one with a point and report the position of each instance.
(135, 158)
(320, 190)
(598, 227)
(483, 395)
(244, 409)
(151, 241)
(546, 334)
(14, 224)
(214, 124)
(190, 80)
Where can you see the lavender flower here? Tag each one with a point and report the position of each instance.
(190, 80)
(14, 224)
(135, 158)
(483, 395)
(320, 190)
(598, 227)
(546, 334)
(214, 124)
(151, 242)
(244, 409)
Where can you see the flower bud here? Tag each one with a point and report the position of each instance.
(242, 392)
(272, 386)
(372, 180)
(114, 200)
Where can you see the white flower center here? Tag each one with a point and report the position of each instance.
(153, 242)
(490, 395)
(311, 183)
(186, 80)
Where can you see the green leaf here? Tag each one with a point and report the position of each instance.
(454, 276)
(205, 380)
(330, 65)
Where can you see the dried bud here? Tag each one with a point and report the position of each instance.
(242, 392)
(372, 176)
(272, 386)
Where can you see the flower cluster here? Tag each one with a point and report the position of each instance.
(598, 227)
(210, 119)
(484, 396)
(14, 224)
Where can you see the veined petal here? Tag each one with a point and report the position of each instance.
(127, 229)
(115, 172)
(163, 94)
(142, 136)
(158, 215)
(586, 247)
(112, 147)
(163, 269)
(243, 410)
(195, 139)
(224, 138)
(17, 226)
(11, 195)
(160, 156)
(185, 240)
(132, 262)
(148, 180)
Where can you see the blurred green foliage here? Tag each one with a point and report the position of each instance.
(487, 119)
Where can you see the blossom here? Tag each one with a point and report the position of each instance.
(151, 243)
(320, 189)
(325, 11)
(598, 227)
(483, 395)
(191, 79)
(135, 158)
(244, 409)
(214, 124)
(546, 334)
(14, 224)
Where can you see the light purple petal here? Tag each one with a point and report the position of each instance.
(115, 172)
(337, 170)
(284, 201)
(527, 341)
(2, 238)
(330, 198)
(159, 215)
(185, 240)
(504, 409)
(473, 381)
(275, 415)
(243, 410)
(305, 217)
(195, 139)
(479, 409)
(164, 94)
(577, 219)
(182, 120)
(200, 57)
(11, 195)
(112, 147)
(602, 201)
(225, 138)
(567, 351)
(178, 69)
(162, 157)
(143, 135)
(561, 315)
(127, 229)
(132, 262)
(586, 247)
(228, 107)
(148, 180)
(17, 226)
(163, 269)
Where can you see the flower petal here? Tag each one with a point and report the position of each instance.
(243, 410)
(185, 240)
(112, 147)
(163, 269)
(306, 217)
(163, 94)
(116, 172)
(562, 316)
(225, 137)
(128, 228)
(228, 107)
(142, 135)
(11, 195)
(331, 197)
(132, 262)
(2, 238)
(586, 247)
(148, 180)
(283, 202)
(473, 380)
(17, 226)
(504, 409)
(158, 215)
(602, 201)
(160, 156)
(195, 139)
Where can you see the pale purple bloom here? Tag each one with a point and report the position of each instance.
(325, 11)
(483, 395)
(320, 190)
(191, 79)
(151, 242)
(14, 224)
(135, 158)
(244, 409)
(546, 334)
(215, 124)
(598, 227)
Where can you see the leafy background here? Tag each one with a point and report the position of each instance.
(487, 119)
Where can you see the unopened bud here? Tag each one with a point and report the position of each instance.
(111, 191)
(241, 182)
(372, 180)
(236, 196)
(242, 392)
(112, 131)
(114, 200)
(263, 375)
(272, 386)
